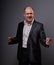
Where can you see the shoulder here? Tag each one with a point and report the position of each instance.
(38, 23)
(22, 22)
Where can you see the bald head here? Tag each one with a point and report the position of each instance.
(28, 7)
(29, 14)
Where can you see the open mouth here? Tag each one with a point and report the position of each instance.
(30, 17)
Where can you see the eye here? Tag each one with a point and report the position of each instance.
(30, 13)
(27, 13)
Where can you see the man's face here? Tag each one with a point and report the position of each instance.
(29, 14)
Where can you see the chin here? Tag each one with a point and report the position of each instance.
(29, 20)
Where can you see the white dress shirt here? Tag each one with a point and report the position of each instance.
(26, 31)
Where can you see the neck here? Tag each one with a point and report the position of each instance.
(29, 22)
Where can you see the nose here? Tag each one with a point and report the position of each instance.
(29, 15)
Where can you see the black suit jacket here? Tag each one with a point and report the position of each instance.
(36, 36)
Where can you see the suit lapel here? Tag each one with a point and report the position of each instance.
(22, 25)
(33, 26)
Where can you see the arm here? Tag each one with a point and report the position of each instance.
(43, 37)
(14, 40)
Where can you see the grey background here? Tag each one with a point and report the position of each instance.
(0, 30)
(11, 13)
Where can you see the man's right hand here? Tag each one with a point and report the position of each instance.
(9, 39)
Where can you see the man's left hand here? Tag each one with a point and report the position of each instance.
(48, 41)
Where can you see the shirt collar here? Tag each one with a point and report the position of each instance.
(29, 23)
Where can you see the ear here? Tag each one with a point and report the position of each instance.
(24, 15)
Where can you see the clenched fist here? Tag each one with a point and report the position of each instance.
(9, 39)
(48, 41)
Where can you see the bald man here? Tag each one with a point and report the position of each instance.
(30, 34)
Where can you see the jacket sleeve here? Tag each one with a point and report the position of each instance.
(43, 37)
(15, 39)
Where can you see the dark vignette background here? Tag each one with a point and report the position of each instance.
(11, 13)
